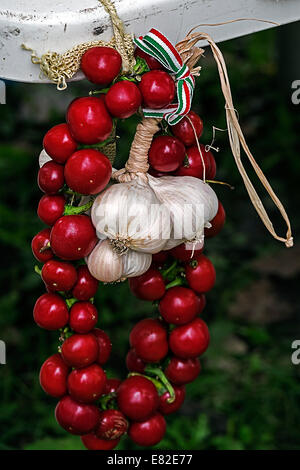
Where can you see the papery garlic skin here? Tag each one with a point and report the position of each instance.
(192, 246)
(44, 158)
(135, 263)
(131, 216)
(104, 264)
(108, 266)
(172, 243)
(192, 203)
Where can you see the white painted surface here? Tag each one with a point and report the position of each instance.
(57, 26)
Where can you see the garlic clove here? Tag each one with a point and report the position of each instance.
(197, 245)
(44, 158)
(172, 243)
(104, 264)
(135, 263)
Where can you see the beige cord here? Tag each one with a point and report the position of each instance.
(61, 67)
(199, 148)
(137, 163)
(236, 138)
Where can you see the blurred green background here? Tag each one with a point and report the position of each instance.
(248, 394)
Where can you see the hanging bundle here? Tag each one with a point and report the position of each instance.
(141, 212)
(133, 223)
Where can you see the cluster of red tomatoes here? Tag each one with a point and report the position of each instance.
(164, 351)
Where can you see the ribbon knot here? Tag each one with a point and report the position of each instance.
(184, 72)
(158, 46)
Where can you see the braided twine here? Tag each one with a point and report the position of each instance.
(61, 67)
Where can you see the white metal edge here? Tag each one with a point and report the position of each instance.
(46, 30)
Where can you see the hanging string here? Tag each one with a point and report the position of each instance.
(61, 67)
(237, 139)
(199, 148)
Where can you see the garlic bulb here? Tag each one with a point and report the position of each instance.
(44, 158)
(130, 215)
(192, 203)
(107, 266)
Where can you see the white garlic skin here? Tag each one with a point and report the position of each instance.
(44, 158)
(131, 213)
(107, 266)
(172, 243)
(104, 264)
(135, 263)
(183, 195)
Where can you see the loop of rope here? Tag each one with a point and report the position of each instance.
(237, 139)
(61, 67)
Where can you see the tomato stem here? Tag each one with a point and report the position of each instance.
(161, 376)
(97, 92)
(158, 385)
(99, 145)
(220, 182)
(45, 248)
(70, 210)
(141, 66)
(165, 272)
(176, 282)
(70, 302)
(108, 401)
(37, 270)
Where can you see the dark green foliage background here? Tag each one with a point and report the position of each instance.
(248, 394)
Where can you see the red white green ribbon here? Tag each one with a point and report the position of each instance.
(158, 46)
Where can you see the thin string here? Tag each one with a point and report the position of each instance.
(61, 67)
(199, 148)
(236, 138)
(236, 20)
(210, 146)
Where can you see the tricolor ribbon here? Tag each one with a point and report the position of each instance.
(158, 46)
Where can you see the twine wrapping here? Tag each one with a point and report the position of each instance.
(61, 67)
(137, 163)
